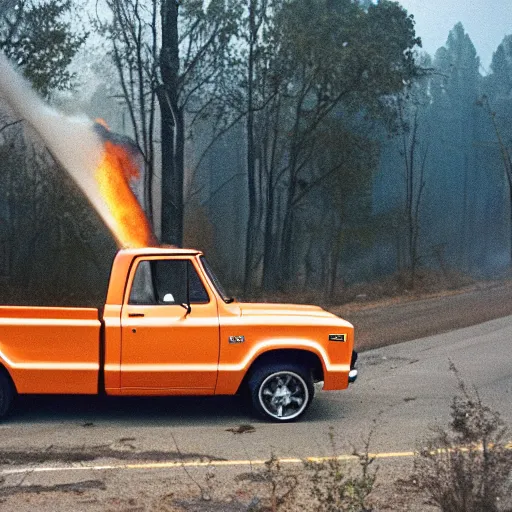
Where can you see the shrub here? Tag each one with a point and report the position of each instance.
(468, 467)
(335, 488)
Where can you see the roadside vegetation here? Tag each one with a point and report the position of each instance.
(335, 483)
(428, 282)
(464, 467)
(335, 486)
(467, 467)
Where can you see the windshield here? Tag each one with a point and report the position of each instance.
(213, 278)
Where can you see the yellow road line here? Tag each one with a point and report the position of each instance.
(174, 464)
(190, 464)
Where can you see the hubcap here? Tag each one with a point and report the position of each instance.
(283, 395)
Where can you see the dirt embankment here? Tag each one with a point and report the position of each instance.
(407, 318)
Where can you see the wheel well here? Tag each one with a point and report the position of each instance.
(4, 370)
(302, 357)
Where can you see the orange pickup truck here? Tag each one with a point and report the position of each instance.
(168, 328)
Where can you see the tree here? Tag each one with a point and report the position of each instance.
(505, 152)
(48, 232)
(499, 83)
(412, 106)
(36, 35)
(497, 103)
(256, 58)
(176, 54)
(344, 65)
(455, 116)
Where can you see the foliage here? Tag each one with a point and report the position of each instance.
(335, 488)
(37, 35)
(281, 485)
(318, 81)
(467, 468)
(349, 53)
(500, 80)
(173, 55)
(451, 159)
(300, 89)
(332, 485)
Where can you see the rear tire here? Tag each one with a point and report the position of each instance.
(281, 392)
(6, 395)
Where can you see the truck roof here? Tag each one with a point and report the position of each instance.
(158, 251)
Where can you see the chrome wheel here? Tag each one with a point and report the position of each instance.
(283, 395)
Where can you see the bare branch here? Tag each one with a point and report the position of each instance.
(8, 125)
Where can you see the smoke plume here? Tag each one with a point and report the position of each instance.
(80, 148)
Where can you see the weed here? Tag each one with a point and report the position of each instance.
(335, 488)
(281, 484)
(467, 468)
(206, 490)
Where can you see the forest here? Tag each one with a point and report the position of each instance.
(307, 160)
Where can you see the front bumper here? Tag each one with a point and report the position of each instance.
(352, 374)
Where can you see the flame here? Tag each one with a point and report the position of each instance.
(102, 163)
(117, 168)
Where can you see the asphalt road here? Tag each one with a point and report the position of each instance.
(409, 318)
(402, 390)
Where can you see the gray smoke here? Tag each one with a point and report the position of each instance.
(71, 140)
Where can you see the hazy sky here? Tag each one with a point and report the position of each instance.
(486, 22)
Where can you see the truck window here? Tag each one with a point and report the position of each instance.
(213, 278)
(164, 282)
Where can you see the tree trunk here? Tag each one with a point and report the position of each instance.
(286, 252)
(251, 168)
(269, 244)
(172, 128)
(172, 177)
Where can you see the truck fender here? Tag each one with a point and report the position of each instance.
(232, 377)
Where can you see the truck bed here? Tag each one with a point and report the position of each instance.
(51, 349)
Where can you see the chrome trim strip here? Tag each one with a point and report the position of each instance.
(231, 367)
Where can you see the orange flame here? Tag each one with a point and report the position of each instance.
(117, 168)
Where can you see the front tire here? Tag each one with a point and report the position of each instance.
(281, 392)
(6, 395)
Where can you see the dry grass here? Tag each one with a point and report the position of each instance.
(427, 282)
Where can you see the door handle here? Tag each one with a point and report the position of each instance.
(131, 315)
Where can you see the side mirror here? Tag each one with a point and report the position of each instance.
(188, 307)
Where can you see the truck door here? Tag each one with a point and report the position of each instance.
(170, 330)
